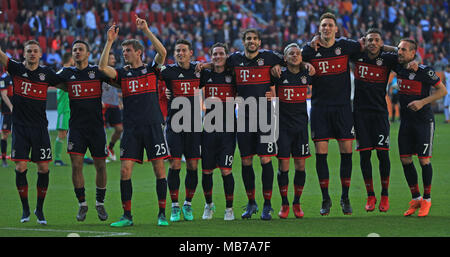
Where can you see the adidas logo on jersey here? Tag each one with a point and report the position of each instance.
(318, 55)
(210, 80)
(129, 74)
(25, 75)
(181, 75)
(285, 81)
(73, 77)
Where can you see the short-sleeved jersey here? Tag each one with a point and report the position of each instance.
(331, 85)
(85, 94)
(62, 99)
(30, 93)
(371, 78)
(253, 75)
(292, 91)
(6, 84)
(181, 83)
(415, 86)
(140, 95)
(218, 86)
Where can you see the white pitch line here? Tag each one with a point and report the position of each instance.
(103, 234)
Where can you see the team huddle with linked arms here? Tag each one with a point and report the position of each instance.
(254, 100)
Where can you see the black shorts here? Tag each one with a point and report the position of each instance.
(35, 139)
(416, 138)
(135, 139)
(332, 122)
(112, 115)
(6, 124)
(80, 139)
(295, 143)
(218, 150)
(184, 143)
(250, 144)
(372, 131)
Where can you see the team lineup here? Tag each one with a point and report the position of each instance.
(280, 81)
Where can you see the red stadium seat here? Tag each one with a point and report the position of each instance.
(70, 39)
(26, 30)
(115, 15)
(11, 15)
(43, 42)
(13, 5)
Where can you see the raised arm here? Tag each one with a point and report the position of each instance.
(112, 35)
(160, 49)
(5, 98)
(3, 58)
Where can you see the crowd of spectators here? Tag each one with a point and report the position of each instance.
(56, 23)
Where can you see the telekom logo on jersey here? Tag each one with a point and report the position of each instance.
(259, 119)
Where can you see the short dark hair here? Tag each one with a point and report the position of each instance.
(254, 31)
(412, 42)
(328, 15)
(135, 43)
(373, 30)
(81, 42)
(219, 44)
(184, 42)
(66, 57)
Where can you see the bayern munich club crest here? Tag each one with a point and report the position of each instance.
(41, 76)
(379, 61)
(70, 146)
(197, 74)
(412, 76)
(260, 62)
(228, 79)
(338, 51)
(91, 74)
(304, 80)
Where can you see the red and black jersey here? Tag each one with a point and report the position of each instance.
(30, 93)
(6, 84)
(218, 87)
(371, 78)
(331, 84)
(140, 95)
(253, 75)
(85, 94)
(292, 91)
(181, 83)
(415, 86)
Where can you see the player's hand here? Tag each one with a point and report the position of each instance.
(276, 71)
(413, 65)
(310, 68)
(112, 33)
(141, 23)
(269, 95)
(168, 94)
(315, 42)
(416, 105)
(362, 42)
(199, 67)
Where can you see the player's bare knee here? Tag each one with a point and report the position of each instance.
(247, 161)
(406, 160)
(42, 167)
(192, 164)
(299, 164)
(265, 159)
(21, 166)
(283, 164)
(175, 164)
(225, 172)
(424, 161)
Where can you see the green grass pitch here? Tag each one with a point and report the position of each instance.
(61, 205)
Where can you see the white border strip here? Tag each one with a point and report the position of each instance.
(101, 233)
